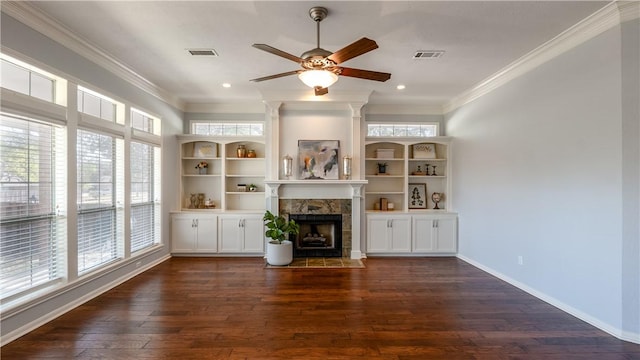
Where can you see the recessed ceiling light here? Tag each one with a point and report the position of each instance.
(400, 87)
(226, 85)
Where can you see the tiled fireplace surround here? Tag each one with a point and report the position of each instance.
(322, 206)
(342, 197)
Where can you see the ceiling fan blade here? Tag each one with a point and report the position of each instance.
(274, 51)
(350, 51)
(365, 74)
(320, 90)
(276, 76)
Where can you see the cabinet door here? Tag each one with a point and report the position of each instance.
(378, 235)
(447, 235)
(423, 234)
(253, 237)
(230, 233)
(400, 234)
(183, 233)
(207, 228)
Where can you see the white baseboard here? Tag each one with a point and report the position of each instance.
(23, 330)
(608, 328)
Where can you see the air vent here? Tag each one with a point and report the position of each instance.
(202, 52)
(428, 54)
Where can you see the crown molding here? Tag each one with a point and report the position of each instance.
(403, 109)
(226, 108)
(597, 23)
(49, 27)
(629, 10)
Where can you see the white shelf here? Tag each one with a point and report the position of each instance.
(219, 184)
(427, 160)
(395, 184)
(201, 175)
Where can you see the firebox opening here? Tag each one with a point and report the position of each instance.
(320, 235)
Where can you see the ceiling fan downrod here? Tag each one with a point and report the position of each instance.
(318, 14)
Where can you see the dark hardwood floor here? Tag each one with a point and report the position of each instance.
(415, 308)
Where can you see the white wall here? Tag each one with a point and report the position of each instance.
(538, 173)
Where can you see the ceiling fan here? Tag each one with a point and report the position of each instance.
(320, 67)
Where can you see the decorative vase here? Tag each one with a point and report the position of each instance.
(202, 171)
(200, 201)
(279, 254)
(241, 151)
(251, 154)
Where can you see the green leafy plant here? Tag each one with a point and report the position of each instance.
(278, 227)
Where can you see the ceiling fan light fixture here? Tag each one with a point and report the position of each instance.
(318, 78)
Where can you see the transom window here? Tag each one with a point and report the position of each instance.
(144, 122)
(97, 105)
(227, 128)
(402, 130)
(25, 81)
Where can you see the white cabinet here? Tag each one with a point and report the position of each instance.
(241, 234)
(406, 233)
(388, 234)
(436, 235)
(194, 233)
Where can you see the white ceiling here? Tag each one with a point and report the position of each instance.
(479, 37)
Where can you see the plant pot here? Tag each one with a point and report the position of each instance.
(279, 254)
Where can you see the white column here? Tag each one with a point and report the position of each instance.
(356, 202)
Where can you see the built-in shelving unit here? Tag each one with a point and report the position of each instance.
(404, 167)
(412, 227)
(227, 179)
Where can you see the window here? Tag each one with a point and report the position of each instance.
(145, 196)
(97, 105)
(144, 122)
(20, 79)
(227, 129)
(403, 130)
(32, 204)
(100, 232)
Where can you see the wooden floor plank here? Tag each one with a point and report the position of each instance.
(394, 309)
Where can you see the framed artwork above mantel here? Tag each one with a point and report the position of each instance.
(319, 159)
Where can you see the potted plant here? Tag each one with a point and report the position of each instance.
(279, 250)
(202, 167)
(253, 187)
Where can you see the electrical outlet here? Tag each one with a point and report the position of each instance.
(520, 260)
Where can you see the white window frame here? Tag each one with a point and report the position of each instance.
(229, 128)
(397, 129)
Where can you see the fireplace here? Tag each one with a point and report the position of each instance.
(320, 235)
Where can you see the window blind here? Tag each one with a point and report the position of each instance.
(32, 203)
(99, 228)
(145, 196)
